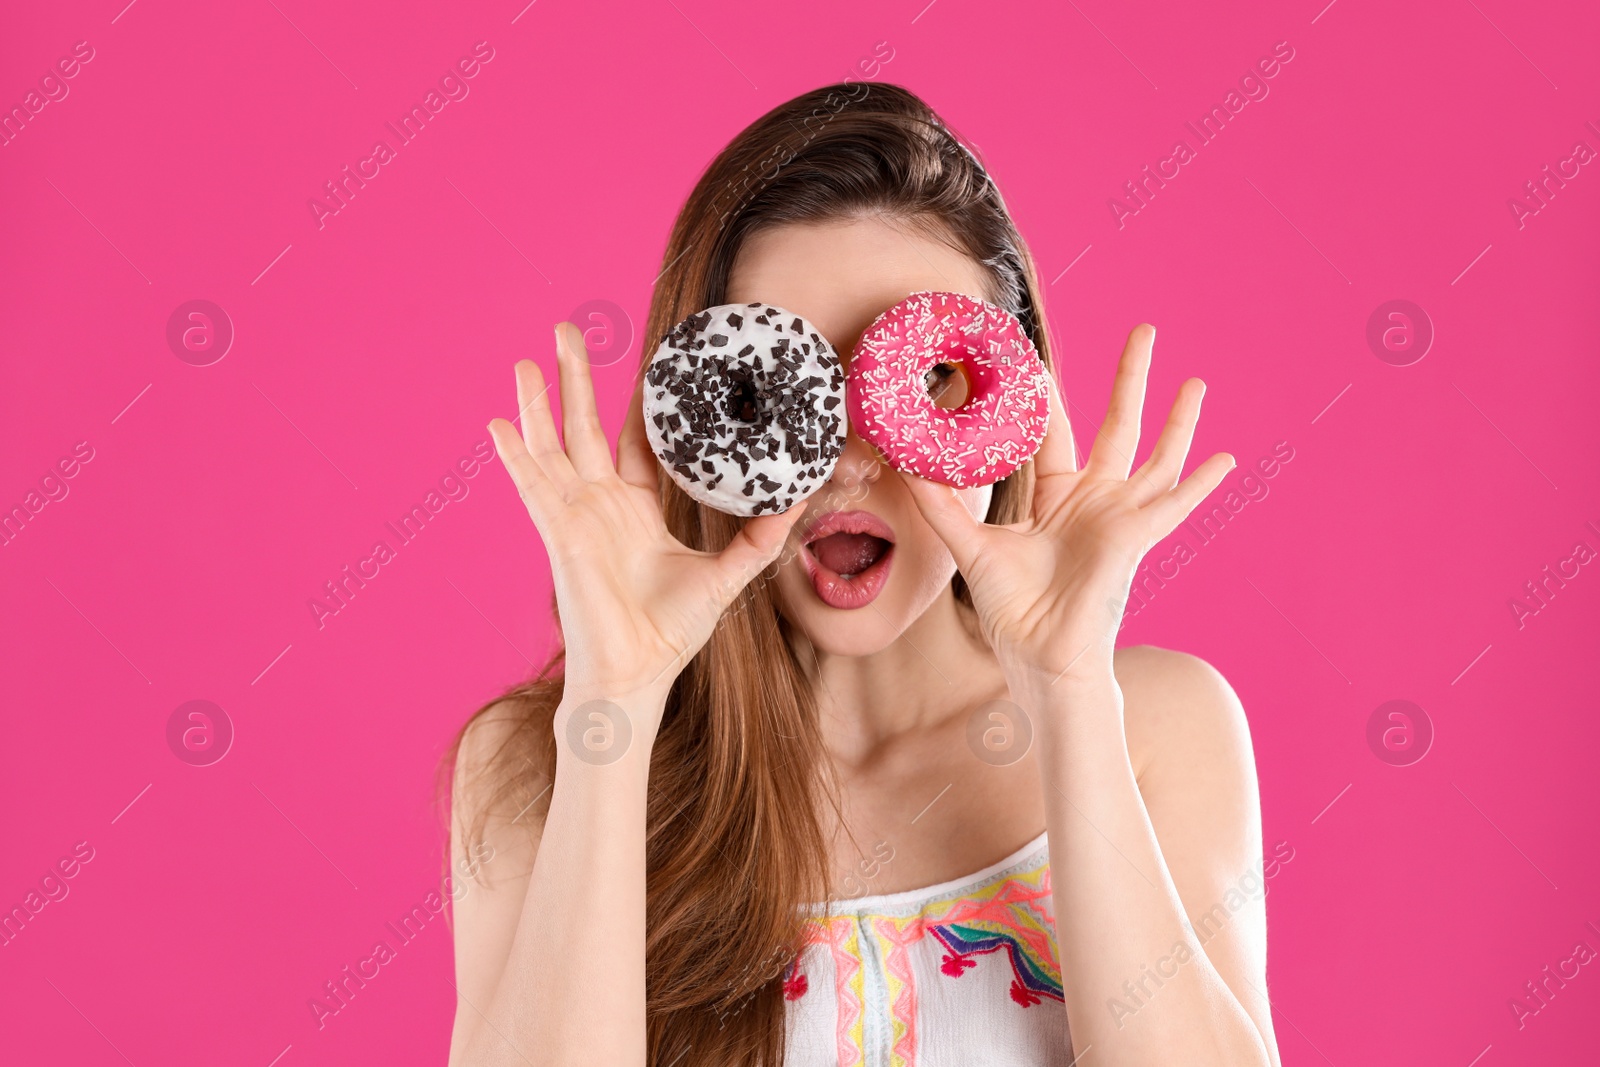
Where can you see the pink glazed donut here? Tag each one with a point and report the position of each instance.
(1003, 420)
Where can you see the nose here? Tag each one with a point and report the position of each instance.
(860, 465)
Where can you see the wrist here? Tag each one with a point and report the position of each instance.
(1077, 722)
(1089, 671)
(1073, 695)
(579, 688)
(607, 727)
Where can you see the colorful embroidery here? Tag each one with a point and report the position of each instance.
(841, 935)
(955, 966)
(1034, 977)
(1011, 914)
(902, 987)
(794, 982)
(1021, 995)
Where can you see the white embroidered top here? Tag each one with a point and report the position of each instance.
(955, 975)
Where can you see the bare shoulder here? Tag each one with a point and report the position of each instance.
(1189, 743)
(498, 785)
(498, 798)
(485, 740)
(1190, 748)
(1178, 707)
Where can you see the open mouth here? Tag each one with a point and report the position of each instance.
(847, 557)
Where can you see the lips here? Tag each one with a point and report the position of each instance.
(847, 557)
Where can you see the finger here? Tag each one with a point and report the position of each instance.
(941, 506)
(1059, 453)
(1160, 472)
(1174, 507)
(757, 543)
(540, 496)
(1113, 449)
(636, 461)
(581, 432)
(538, 429)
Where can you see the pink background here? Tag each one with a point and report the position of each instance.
(371, 352)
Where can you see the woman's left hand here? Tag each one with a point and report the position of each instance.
(1050, 590)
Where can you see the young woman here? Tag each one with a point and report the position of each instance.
(796, 841)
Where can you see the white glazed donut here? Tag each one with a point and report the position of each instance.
(744, 407)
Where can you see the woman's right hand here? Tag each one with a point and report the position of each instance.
(635, 603)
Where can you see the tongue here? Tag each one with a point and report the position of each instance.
(847, 554)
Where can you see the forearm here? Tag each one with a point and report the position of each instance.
(1120, 924)
(573, 987)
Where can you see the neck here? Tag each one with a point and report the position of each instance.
(939, 667)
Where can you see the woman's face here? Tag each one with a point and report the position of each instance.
(863, 564)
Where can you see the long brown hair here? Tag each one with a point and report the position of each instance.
(739, 779)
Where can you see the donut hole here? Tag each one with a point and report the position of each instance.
(948, 384)
(742, 401)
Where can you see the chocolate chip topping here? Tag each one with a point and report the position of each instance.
(756, 402)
